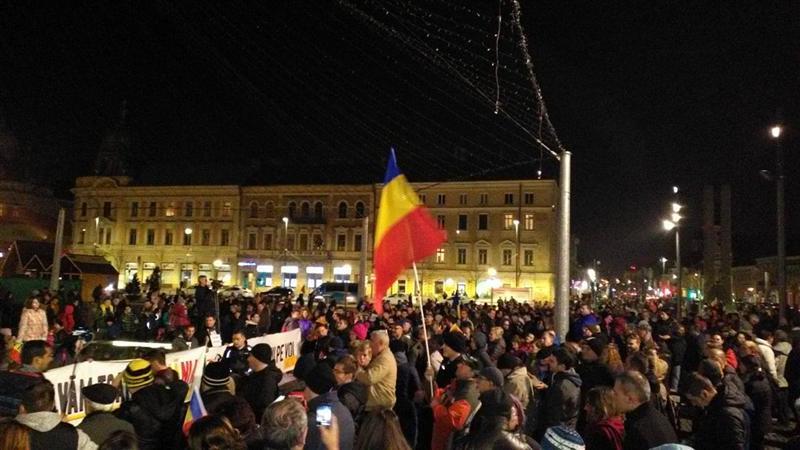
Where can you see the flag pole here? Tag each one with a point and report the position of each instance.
(422, 313)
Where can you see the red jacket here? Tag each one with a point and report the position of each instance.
(448, 417)
(67, 318)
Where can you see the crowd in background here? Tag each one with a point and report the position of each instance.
(475, 376)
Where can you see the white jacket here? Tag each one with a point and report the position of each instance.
(768, 355)
(782, 350)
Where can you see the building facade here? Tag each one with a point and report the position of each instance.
(500, 234)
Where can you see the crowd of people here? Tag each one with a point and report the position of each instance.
(467, 376)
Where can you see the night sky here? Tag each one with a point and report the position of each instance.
(645, 96)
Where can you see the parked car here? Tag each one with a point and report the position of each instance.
(341, 293)
(280, 292)
(235, 291)
(395, 299)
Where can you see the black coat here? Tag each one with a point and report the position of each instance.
(723, 424)
(215, 399)
(561, 402)
(353, 396)
(757, 387)
(260, 389)
(677, 346)
(646, 428)
(204, 301)
(156, 414)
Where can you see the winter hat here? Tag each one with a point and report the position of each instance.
(644, 325)
(216, 374)
(456, 341)
(562, 438)
(508, 361)
(138, 373)
(492, 374)
(100, 393)
(320, 379)
(262, 352)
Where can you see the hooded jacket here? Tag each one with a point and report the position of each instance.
(561, 402)
(723, 423)
(155, 413)
(518, 384)
(46, 421)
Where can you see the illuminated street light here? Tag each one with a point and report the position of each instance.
(676, 207)
(668, 224)
(217, 263)
(187, 231)
(592, 275)
(780, 235)
(676, 217)
(776, 131)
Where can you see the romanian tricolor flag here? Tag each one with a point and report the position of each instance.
(195, 410)
(404, 233)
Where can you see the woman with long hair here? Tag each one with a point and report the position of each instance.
(611, 358)
(14, 436)
(33, 322)
(604, 426)
(214, 433)
(381, 429)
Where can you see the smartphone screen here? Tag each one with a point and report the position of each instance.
(324, 415)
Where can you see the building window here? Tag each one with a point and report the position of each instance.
(187, 239)
(401, 286)
(205, 237)
(483, 221)
(484, 200)
(462, 256)
(151, 236)
(305, 210)
(439, 255)
(84, 209)
(357, 243)
(508, 221)
(422, 198)
(529, 198)
(107, 209)
(438, 287)
(226, 209)
(462, 199)
(318, 243)
(269, 210)
(167, 237)
(224, 237)
(188, 209)
(462, 222)
(290, 242)
(292, 209)
(100, 234)
(135, 209)
(251, 241)
(359, 210)
(131, 237)
(441, 199)
(268, 241)
(82, 236)
(341, 242)
(507, 257)
(303, 242)
(529, 222)
(318, 210)
(170, 211)
(151, 209)
(440, 222)
(342, 210)
(206, 209)
(528, 257)
(253, 210)
(483, 256)
(108, 236)
(509, 199)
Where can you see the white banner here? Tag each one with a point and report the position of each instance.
(189, 364)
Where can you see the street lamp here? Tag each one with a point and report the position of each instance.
(516, 271)
(663, 261)
(669, 225)
(285, 233)
(776, 132)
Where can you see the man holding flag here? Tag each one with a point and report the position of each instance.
(405, 231)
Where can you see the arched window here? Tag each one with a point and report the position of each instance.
(318, 210)
(253, 210)
(292, 209)
(359, 210)
(269, 210)
(305, 209)
(342, 210)
(84, 209)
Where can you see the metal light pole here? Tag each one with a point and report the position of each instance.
(516, 270)
(669, 225)
(55, 269)
(776, 132)
(562, 276)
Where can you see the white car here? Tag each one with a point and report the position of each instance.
(395, 299)
(236, 291)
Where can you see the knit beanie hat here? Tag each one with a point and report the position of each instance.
(562, 438)
(492, 374)
(262, 352)
(455, 341)
(320, 379)
(216, 374)
(138, 373)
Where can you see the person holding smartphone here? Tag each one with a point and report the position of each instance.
(324, 408)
